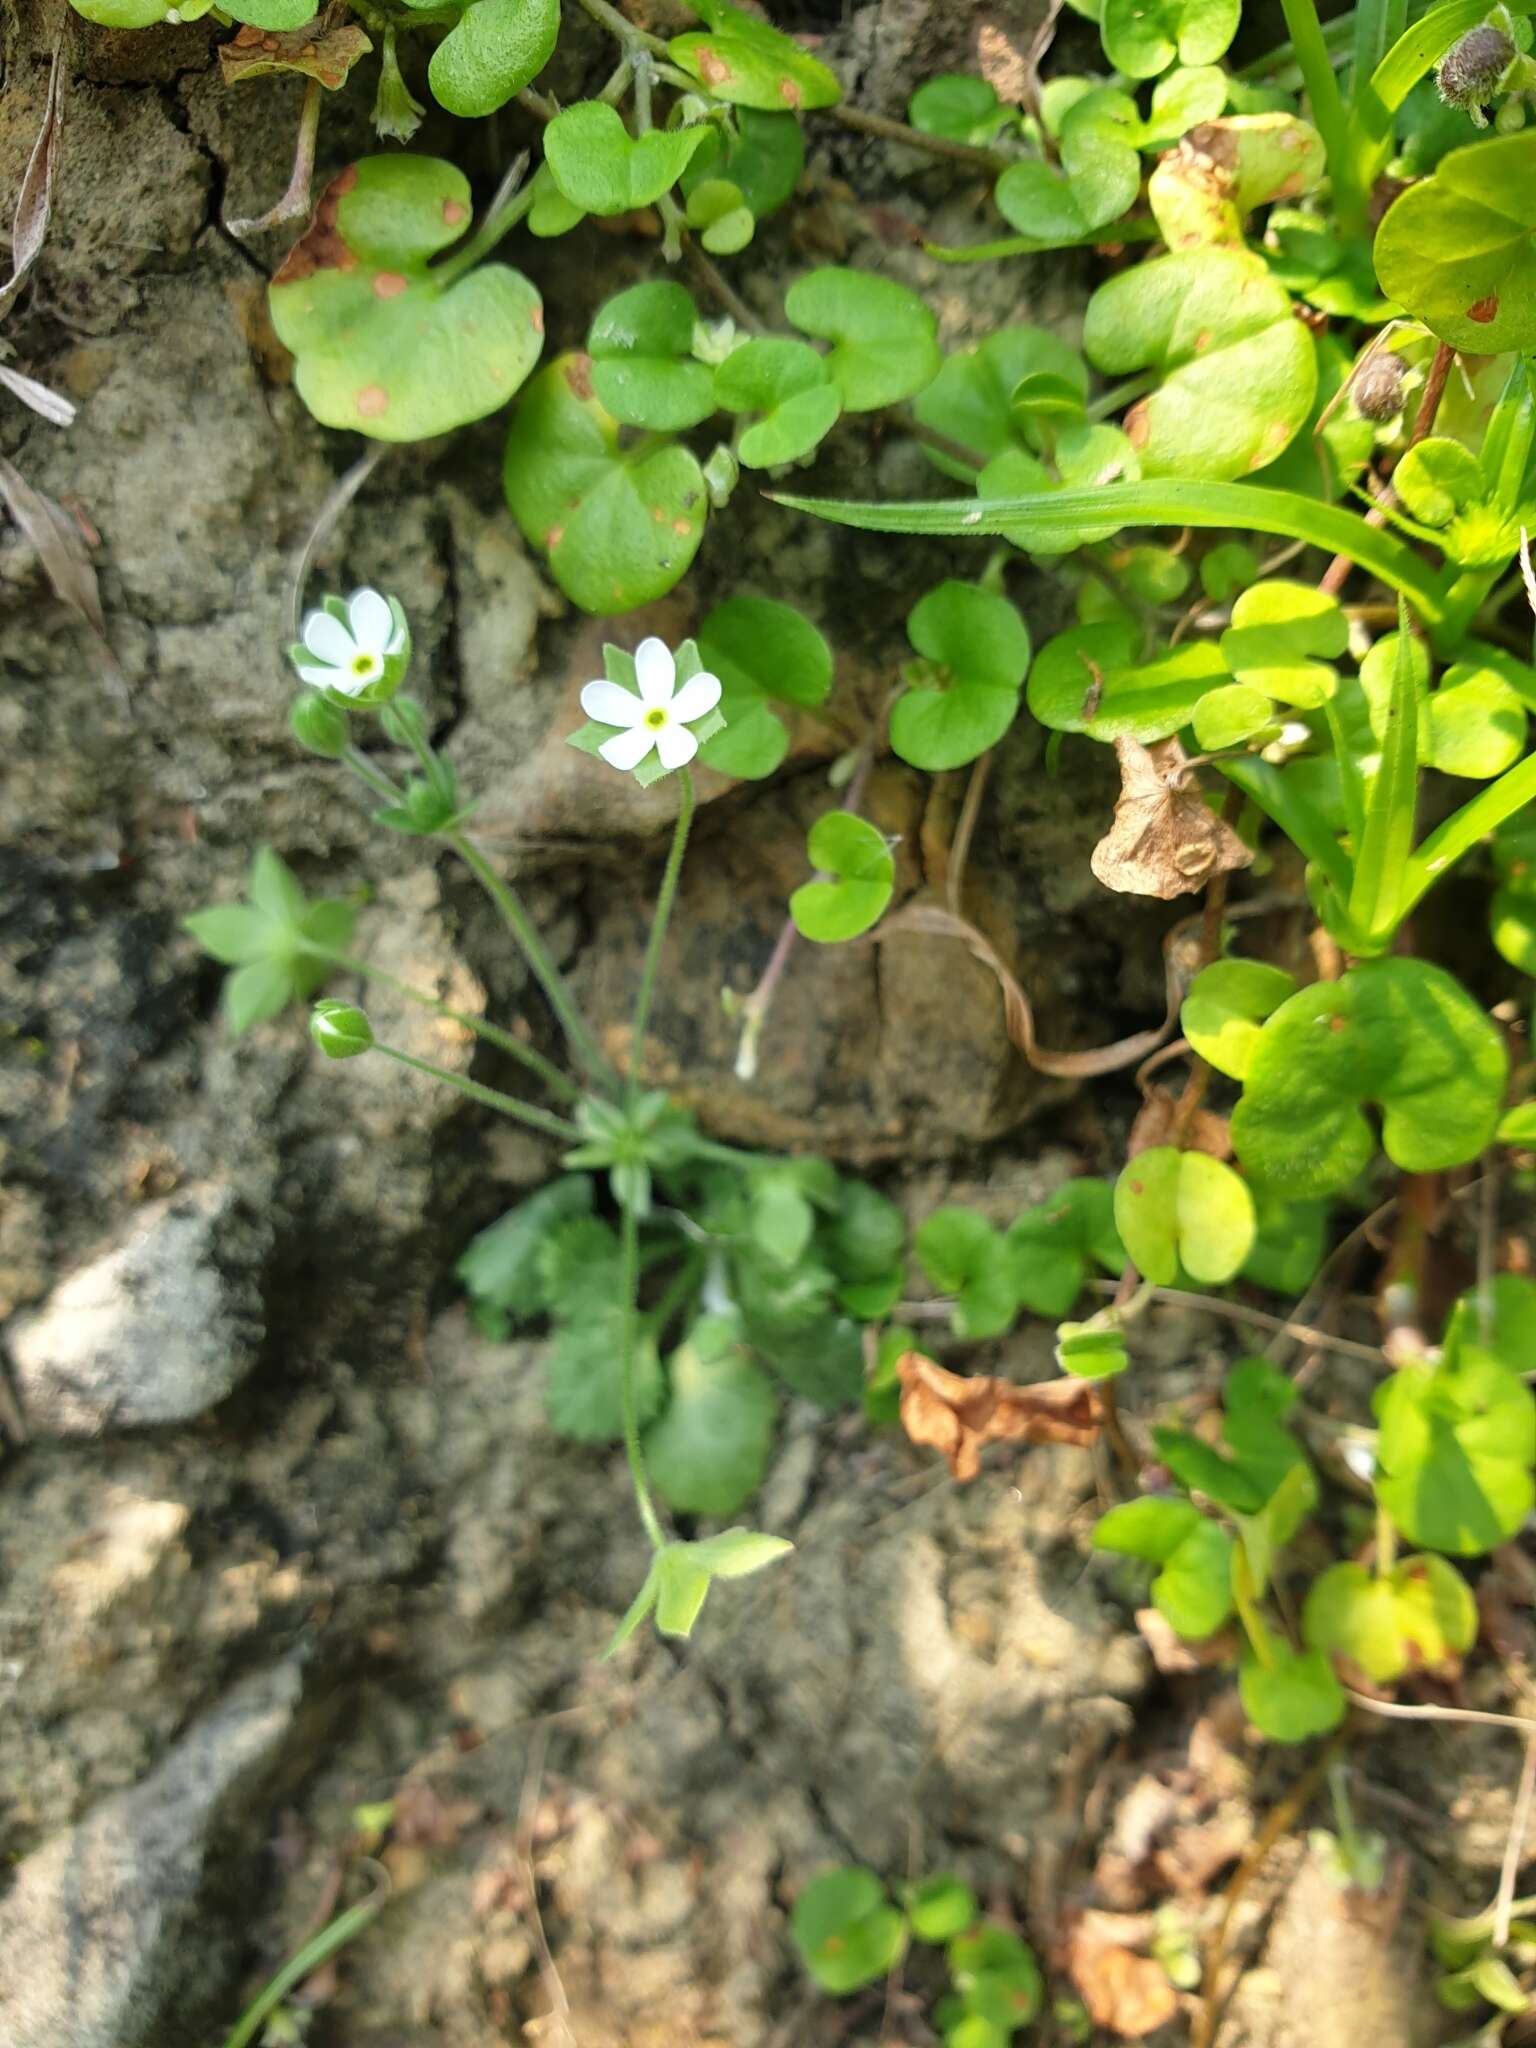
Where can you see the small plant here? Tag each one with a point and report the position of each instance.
(850, 1934)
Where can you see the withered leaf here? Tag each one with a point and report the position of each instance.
(1158, 1122)
(34, 202)
(1166, 840)
(62, 554)
(1128, 1994)
(959, 1415)
(327, 56)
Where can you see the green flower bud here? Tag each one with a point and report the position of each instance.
(722, 473)
(1510, 118)
(320, 725)
(340, 1030)
(1470, 70)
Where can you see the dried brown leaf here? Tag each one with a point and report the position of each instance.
(61, 551)
(932, 920)
(1158, 1122)
(1166, 840)
(1127, 1993)
(34, 203)
(327, 57)
(959, 1415)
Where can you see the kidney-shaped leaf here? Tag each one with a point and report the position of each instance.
(619, 525)
(971, 399)
(1183, 1210)
(1415, 1617)
(762, 651)
(382, 346)
(745, 62)
(1099, 178)
(861, 872)
(1239, 369)
(643, 367)
(966, 692)
(791, 386)
(492, 51)
(1399, 1033)
(1455, 1452)
(1226, 1007)
(1291, 1696)
(1458, 250)
(1281, 639)
(1088, 679)
(1142, 37)
(884, 339)
(602, 168)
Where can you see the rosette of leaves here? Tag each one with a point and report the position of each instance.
(1238, 369)
(492, 51)
(1398, 1033)
(962, 693)
(619, 521)
(1451, 503)
(1458, 249)
(276, 943)
(385, 343)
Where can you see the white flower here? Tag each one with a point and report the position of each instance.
(352, 656)
(658, 717)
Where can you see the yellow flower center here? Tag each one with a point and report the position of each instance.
(656, 719)
(362, 664)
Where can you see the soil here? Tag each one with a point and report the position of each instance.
(305, 1544)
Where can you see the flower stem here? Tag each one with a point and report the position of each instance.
(629, 1291)
(657, 940)
(546, 973)
(490, 1098)
(493, 1034)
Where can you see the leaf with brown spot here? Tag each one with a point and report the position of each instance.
(1124, 1992)
(959, 1415)
(1166, 840)
(327, 56)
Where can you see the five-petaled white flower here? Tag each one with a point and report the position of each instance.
(659, 717)
(353, 654)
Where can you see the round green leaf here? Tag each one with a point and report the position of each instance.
(941, 1907)
(846, 1929)
(1226, 1004)
(748, 64)
(884, 339)
(857, 858)
(1143, 37)
(971, 399)
(643, 367)
(619, 526)
(493, 50)
(1183, 1210)
(1053, 1246)
(1292, 1697)
(977, 648)
(1239, 370)
(1477, 723)
(1089, 680)
(1278, 632)
(791, 386)
(382, 346)
(1458, 250)
(722, 217)
(1228, 716)
(1099, 178)
(1288, 1243)
(959, 107)
(762, 651)
(708, 1449)
(1400, 1033)
(602, 168)
(1438, 478)
(1193, 1591)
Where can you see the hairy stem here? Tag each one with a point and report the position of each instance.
(489, 1098)
(664, 901)
(629, 1295)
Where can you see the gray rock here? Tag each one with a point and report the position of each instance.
(156, 1329)
(96, 1934)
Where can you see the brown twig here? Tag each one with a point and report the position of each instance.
(294, 204)
(965, 831)
(527, 1813)
(1261, 1319)
(710, 275)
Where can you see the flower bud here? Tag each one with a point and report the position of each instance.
(396, 110)
(1377, 387)
(320, 725)
(340, 1030)
(1471, 69)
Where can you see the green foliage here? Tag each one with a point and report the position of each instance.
(964, 1256)
(643, 367)
(277, 942)
(860, 875)
(962, 695)
(1459, 249)
(1054, 1247)
(1183, 1212)
(601, 168)
(1098, 181)
(1418, 1616)
(743, 61)
(492, 51)
(764, 653)
(708, 1449)
(681, 1575)
(385, 344)
(1142, 40)
(790, 387)
(1398, 1033)
(846, 1929)
(884, 338)
(1225, 1010)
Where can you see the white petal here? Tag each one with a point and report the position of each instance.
(696, 698)
(350, 685)
(611, 704)
(329, 639)
(371, 620)
(322, 678)
(629, 749)
(655, 671)
(675, 744)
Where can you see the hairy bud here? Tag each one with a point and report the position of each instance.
(1377, 387)
(1471, 69)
